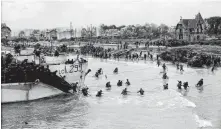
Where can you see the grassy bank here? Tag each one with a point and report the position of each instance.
(207, 49)
(194, 55)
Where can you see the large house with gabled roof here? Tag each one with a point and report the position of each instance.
(191, 29)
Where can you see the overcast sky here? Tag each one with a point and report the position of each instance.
(43, 14)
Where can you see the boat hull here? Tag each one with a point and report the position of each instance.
(73, 72)
(17, 92)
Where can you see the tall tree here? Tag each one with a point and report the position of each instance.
(33, 39)
(17, 49)
(21, 34)
(63, 48)
(164, 29)
(214, 25)
(37, 46)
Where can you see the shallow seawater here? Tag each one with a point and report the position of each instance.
(156, 109)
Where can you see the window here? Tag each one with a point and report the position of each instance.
(180, 36)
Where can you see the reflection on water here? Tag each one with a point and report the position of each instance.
(200, 89)
(157, 108)
(44, 113)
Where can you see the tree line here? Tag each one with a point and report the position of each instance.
(134, 31)
(213, 25)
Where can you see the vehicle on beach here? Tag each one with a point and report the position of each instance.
(53, 77)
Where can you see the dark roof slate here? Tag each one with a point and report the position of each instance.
(192, 23)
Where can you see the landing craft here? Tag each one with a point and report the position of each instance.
(26, 91)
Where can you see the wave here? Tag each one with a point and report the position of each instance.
(177, 98)
(168, 98)
(159, 103)
(185, 102)
(202, 123)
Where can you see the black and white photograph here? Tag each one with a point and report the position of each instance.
(110, 64)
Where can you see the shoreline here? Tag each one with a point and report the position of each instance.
(189, 53)
(174, 55)
(142, 61)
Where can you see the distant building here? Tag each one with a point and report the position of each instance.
(28, 32)
(42, 35)
(77, 33)
(5, 31)
(191, 29)
(53, 34)
(66, 34)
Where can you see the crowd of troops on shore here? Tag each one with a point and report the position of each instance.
(181, 55)
(191, 58)
(100, 52)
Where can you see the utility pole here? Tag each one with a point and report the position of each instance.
(75, 34)
(91, 33)
(71, 31)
